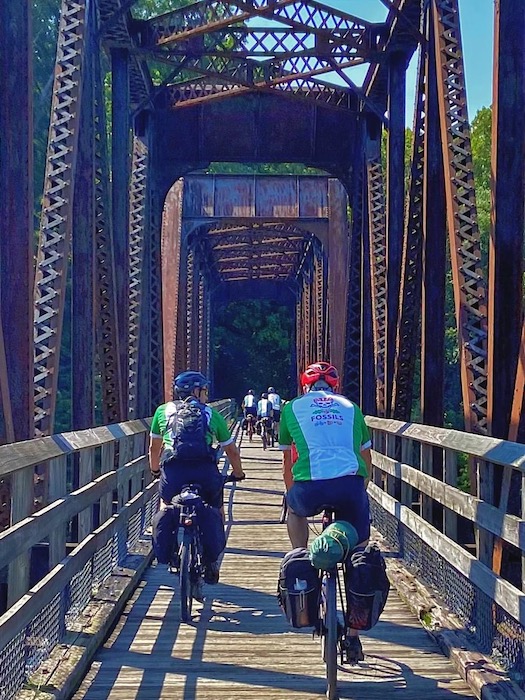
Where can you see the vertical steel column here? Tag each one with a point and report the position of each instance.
(378, 266)
(463, 231)
(395, 210)
(321, 339)
(156, 384)
(434, 255)
(190, 308)
(367, 396)
(81, 308)
(120, 149)
(105, 285)
(353, 346)
(508, 212)
(16, 214)
(410, 296)
(57, 212)
(138, 211)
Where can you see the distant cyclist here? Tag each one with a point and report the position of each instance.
(181, 450)
(333, 459)
(249, 405)
(275, 400)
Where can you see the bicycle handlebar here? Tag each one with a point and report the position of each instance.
(231, 478)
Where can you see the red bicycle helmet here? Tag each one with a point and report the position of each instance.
(320, 371)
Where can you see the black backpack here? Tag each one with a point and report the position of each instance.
(367, 587)
(188, 428)
(299, 589)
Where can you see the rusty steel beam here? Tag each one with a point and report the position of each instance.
(463, 230)
(352, 355)
(395, 169)
(378, 268)
(120, 176)
(434, 255)
(16, 214)
(138, 210)
(193, 92)
(56, 219)
(81, 309)
(505, 286)
(156, 383)
(173, 286)
(191, 22)
(408, 335)
(105, 284)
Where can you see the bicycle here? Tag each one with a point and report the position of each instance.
(267, 435)
(190, 555)
(250, 426)
(332, 630)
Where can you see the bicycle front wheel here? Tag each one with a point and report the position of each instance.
(330, 634)
(185, 582)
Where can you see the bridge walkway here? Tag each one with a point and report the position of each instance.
(240, 645)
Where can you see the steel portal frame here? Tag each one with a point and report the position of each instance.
(216, 50)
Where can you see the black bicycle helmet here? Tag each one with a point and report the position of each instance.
(264, 396)
(271, 390)
(186, 382)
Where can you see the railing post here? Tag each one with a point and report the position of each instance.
(450, 476)
(21, 507)
(427, 455)
(57, 471)
(85, 475)
(107, 464)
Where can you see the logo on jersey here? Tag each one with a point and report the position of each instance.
(323, 402)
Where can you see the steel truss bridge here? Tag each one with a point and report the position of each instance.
(139, 246)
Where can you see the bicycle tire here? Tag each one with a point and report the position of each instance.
(330, 635)
(264, 439)
(185, 582)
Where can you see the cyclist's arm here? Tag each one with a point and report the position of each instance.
(287, 468)
(234, 457)
(155, 450)
(367, 458)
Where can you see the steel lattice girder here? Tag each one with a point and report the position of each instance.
(316, 39)
(137, 217)
(378, 272)
(106, 316)
(56, 220)
(469, 284)
(237, 253)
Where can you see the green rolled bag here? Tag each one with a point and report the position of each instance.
(333, 545)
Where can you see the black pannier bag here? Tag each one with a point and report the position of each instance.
(367, 587)
(299, 589)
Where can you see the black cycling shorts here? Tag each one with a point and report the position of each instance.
(346, 495)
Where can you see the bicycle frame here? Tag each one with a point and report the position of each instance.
(189, 552)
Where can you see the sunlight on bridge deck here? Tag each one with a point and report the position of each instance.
(240, 645)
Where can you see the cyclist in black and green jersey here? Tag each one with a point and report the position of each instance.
(174, 470)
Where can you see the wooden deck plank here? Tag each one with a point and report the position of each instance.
(239, 645)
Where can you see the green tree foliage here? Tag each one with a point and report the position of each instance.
(252, 343)
(481, 139)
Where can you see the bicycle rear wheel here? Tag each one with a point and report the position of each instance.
(329, 638)
(185, 581)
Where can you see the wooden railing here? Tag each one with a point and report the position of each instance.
(452, 539)
(98, 503)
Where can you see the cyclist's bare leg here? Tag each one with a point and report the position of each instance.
(297, 529)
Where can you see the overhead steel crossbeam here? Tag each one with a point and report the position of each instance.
(212, 40)
(254, 252)
(192, 92)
